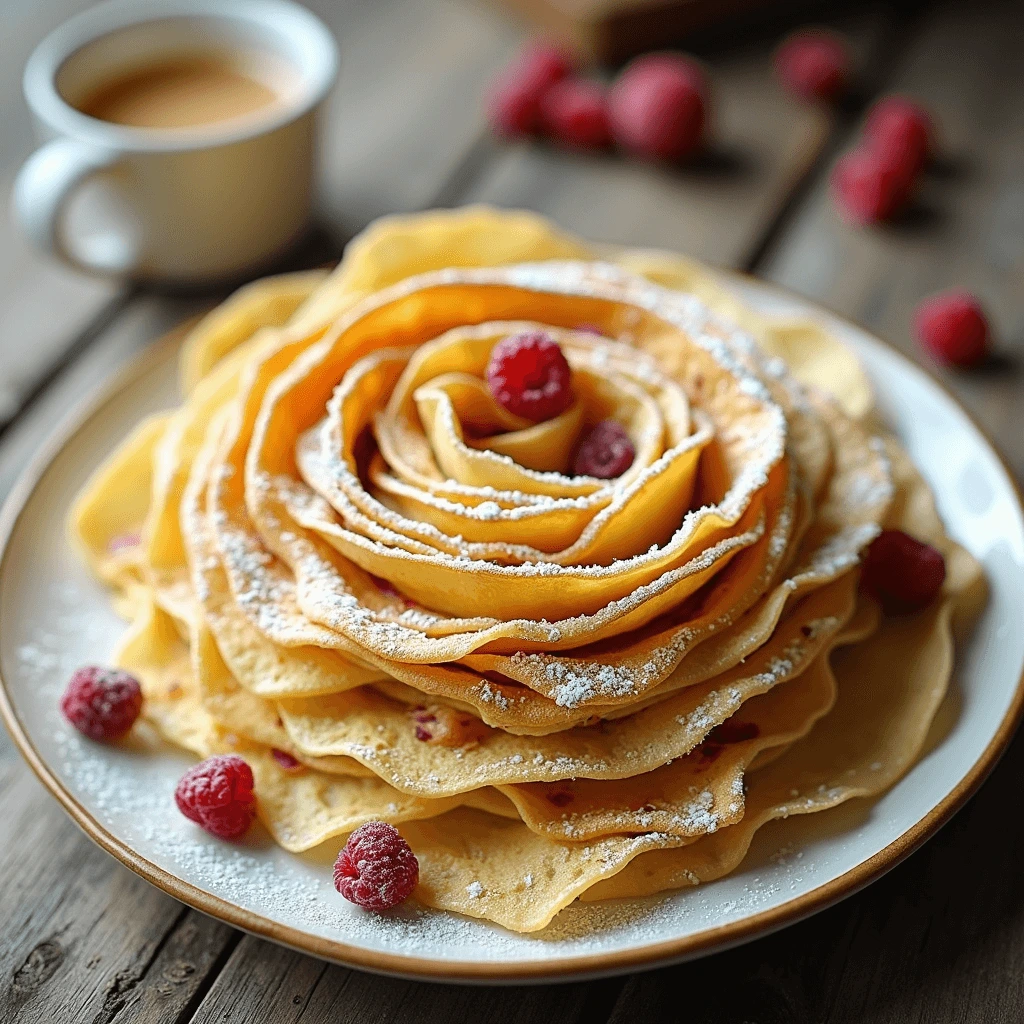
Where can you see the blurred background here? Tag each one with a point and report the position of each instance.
(418, 119)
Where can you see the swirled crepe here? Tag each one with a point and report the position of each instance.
(343, 559)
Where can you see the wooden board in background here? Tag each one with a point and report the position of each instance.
(609, 31)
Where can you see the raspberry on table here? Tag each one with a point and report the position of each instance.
(867, 189)
(575, 112)
(376, 868)
(814, 64)
(658, 106)
(953, 327)
(900, 132)
(529, 376)
(605, 452)
(515, 98)
(217, 794)
(102, 703)
(902, 573)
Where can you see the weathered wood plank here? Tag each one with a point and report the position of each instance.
(967, 228)
(717, 209)
(43, 306)
(83, 938)
(408, 108)
(262, 982)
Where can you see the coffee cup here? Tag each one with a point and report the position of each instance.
(179, 136)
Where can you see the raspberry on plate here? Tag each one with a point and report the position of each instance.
(814, 64)
(658, 106)
(102, 703)
(900, 132)
(217, 794)
(903, 574)
(606, 451)
(953, 327)
(514, 103)
(528, 375)
(376, 868)
(575, 112)
(867, 189)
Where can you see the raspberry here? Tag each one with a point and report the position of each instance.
(953, 328)
(376, 869)
(217, 795)
(901, 573)
(867, 189)
(658, 106)
(514, 104)
(528, 375)
(813, 64)
(575, 112)
(606, 451)
(900, 132)
(102, 703)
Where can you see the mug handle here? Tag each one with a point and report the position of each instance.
(44, 185)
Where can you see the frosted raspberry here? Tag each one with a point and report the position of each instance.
(217, 794)
(605, 452)
(953, 328)
(900, 132)
(658, 106)
(102, 703)
(575, 112)
(529, 376)
(514, 103)
(813, 64)
(867, 189)
(901, 573)
(376, 869)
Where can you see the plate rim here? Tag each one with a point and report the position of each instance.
(587, 965)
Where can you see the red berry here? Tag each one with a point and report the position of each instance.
(575, 112)
(900, 132)
(953, 328)
(813, 64)
(529, 376)
(217, 794)
(102, 703)
(867, 189)
(605, 452)
(376, 869)
(658, 106)
(902, 573)
(514, 104)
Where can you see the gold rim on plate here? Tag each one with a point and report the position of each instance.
(662, 953)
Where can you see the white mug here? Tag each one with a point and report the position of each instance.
(180, 205)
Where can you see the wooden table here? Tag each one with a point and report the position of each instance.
(941, 938)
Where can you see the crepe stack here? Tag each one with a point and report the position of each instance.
(343, 560)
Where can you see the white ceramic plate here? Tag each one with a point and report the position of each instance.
(54, 617)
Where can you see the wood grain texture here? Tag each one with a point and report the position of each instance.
(408, 109)
(84, 939)
(716, 209)
(966, 228)
(263, 983)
